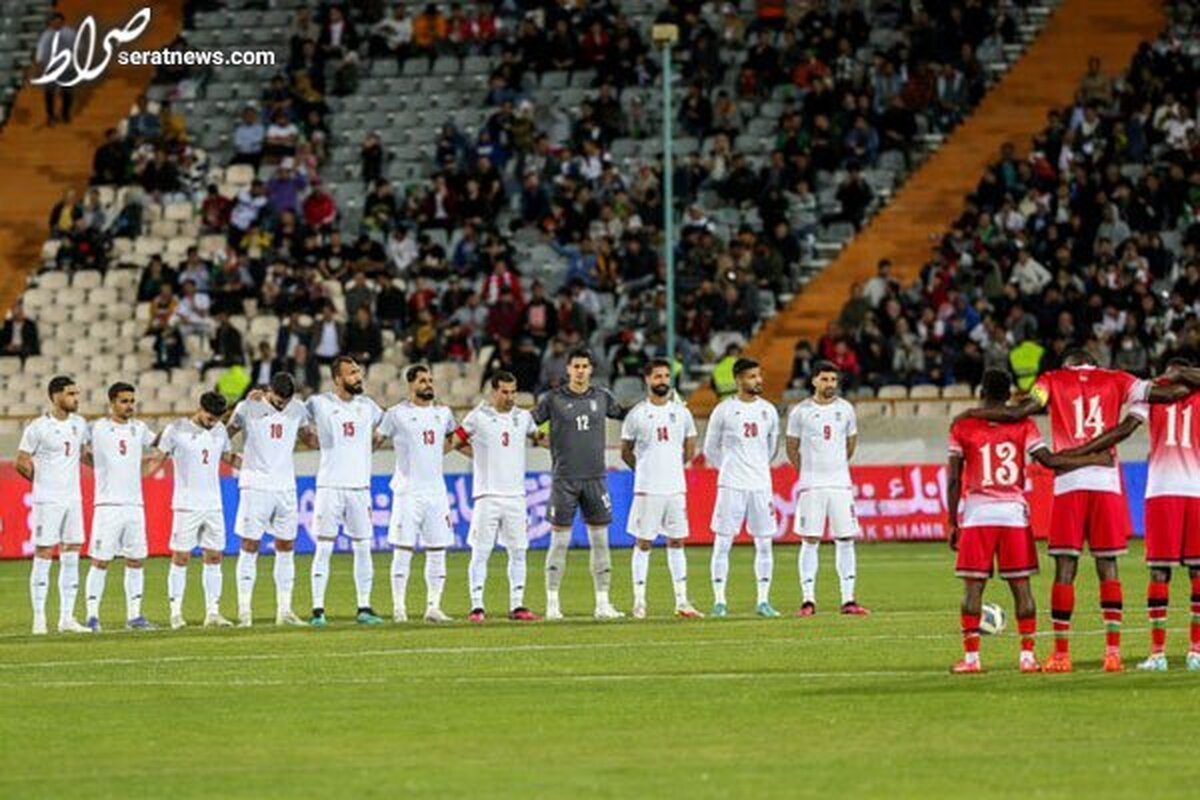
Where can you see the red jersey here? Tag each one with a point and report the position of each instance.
(1085, 402)
(994, 456)
(1174, 462)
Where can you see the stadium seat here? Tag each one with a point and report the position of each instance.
(871, 409)
(956, 391)
(9, 367)
(959, 406)
(53, 281)
(526, 400)
(924, 392)
(931, 409)
(893, 392)
(154, 378)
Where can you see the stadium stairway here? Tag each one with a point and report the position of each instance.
(1046, 77)
(39, 163)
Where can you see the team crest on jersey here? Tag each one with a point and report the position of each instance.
(593, 405)
(671, 416)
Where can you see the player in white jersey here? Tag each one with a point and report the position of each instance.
(119, 521)
(498, 432)
(822, 433)
(422, 432)
(345, 421)
(742, 434)
(48, 457)
(271, 421)
(657, 438)
(197, 446)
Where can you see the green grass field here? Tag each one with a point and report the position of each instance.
(829, 706)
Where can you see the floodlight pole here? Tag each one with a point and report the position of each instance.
(666, 36)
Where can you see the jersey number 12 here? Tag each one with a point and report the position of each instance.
(582, 422)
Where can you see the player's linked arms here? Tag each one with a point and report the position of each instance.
(1069, 460)
(1026, 407)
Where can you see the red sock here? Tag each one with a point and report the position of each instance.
(1196, 615)
(1062, 603)
(1027, 627)
(970, 633)
(1157, 594)
(1111, 608)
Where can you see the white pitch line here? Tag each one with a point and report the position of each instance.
(505, 649)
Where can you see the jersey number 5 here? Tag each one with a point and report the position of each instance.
(1006, 473)
(121, 448)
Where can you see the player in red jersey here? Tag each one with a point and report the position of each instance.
(995, 519)
(1172, 506)
(1089, 503)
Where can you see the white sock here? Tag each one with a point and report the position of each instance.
(720, 566)
(68, 584)
(247, 575)
(641, 568)
(809, 562)
(556, 560)
(135, 582)
(320, 571)
(601, 560)
(213, 577)
(39, 585)
(516, 578)
(364, 571)
(764, 567)
(847, 563)
(677, 564)
(401, 563)
(285, 579)
(95, 590)
(477, 574)
(176, 586)
(435, 577)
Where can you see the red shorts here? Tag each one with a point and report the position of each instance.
(1173, 531)
(1099, 518)
(1012, 548)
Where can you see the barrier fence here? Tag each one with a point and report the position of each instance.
(904, 502)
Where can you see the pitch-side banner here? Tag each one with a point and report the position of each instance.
(893, 503)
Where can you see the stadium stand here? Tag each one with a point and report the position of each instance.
(530, 182)
(1089, 241)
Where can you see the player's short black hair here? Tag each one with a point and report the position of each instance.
(825, 366)
(1179, 361)
(744, 365)
(501, 376)
(214, 403)
(656, 363)
(580, 352)
(335, 366)
(58, 383)
(996, 385)
(283, 385)
(118, 388)
(1077, 356)
(415, 371)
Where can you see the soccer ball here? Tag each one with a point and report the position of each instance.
(992, 619)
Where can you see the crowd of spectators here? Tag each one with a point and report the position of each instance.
(435, 262)
(1090, 240)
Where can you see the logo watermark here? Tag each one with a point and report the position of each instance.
(69, 66)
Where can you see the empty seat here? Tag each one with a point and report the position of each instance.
(924, 392)
(957, 391)
(893, 392)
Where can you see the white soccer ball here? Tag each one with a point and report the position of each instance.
(992, 619)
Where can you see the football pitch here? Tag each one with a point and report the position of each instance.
(829, 706)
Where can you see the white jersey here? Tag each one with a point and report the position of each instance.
(196, 452)
(740, 442)
(55, 448)
(418, 435)
(117, 453)
(267, 462)
(658, 433)
(345, 430)
(823, 430)
(498, 447)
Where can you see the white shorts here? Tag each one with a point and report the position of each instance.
(420, 518)
(192, 529)
(654, 514)
(735, 506)
(502, 518)
(815, 506)
(348, 508)
(55, 524)
(118, 531)
(261, 511)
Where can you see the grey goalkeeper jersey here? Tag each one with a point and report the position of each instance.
(577, 423)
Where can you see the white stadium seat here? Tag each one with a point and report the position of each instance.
(893, 392)
(54, 281)
(87, 279)
(924, 393)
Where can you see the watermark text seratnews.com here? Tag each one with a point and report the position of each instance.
(91, 55)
